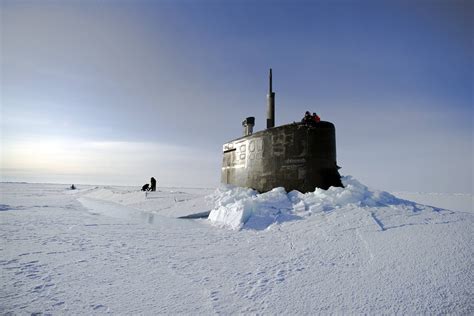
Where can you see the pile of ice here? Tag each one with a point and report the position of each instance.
(238, 208)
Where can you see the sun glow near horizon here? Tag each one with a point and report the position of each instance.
(128, 161)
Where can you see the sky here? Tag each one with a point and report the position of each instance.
(114, 92)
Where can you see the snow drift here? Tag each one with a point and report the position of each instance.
(238, 208)
(164, 202)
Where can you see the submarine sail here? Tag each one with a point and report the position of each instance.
(295, 156)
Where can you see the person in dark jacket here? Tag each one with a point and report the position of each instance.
(146, 187)
(153, 184)
(307, 119)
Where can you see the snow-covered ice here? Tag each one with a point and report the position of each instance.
(238, 208)
(118, 250)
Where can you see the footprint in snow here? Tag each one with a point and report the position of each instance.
(99, 307)
(214, 295)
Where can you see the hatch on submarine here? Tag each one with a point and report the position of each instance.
(295, 156)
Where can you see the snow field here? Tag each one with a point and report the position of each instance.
(346, 251)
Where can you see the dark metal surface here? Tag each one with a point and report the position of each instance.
(294, 156)
(248, 125)
(270, 104)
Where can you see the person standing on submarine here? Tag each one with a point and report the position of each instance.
(316, 118)
(153, 184)
(307, 119)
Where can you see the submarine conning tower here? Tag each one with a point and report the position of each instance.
(295, 156)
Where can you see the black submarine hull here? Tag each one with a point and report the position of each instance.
(294, 156)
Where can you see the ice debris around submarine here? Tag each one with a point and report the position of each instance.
(242, 208)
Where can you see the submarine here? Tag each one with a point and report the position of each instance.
(295, 156)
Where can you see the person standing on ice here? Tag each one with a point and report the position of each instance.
(153, 184)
